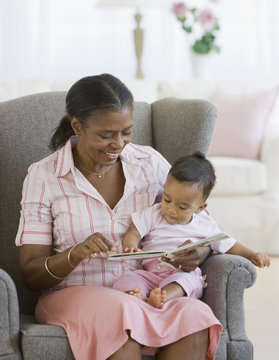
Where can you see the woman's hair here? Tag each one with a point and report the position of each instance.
(88, 98)
(195, 169)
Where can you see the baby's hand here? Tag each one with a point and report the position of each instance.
(131, 249)
(261, 260)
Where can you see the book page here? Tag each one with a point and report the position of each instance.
(203, 242)
(136, 255)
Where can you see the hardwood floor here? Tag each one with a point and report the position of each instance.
(262, 312)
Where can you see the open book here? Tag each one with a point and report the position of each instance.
(149, 254)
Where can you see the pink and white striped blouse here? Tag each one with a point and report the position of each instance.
(61, 208)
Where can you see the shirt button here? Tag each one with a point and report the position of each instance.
(114, 217)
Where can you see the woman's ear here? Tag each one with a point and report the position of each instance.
(201, 208)
(76, 126)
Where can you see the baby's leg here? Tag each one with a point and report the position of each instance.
(182, 283)
(137, 283)
(158, 297)
(173, 290)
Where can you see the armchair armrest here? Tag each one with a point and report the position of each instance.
(227, 277)
(9, 319)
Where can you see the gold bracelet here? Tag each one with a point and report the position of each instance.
(69, 256)
(50, 273)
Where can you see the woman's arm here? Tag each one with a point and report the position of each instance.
(32, 266)
(40, 271)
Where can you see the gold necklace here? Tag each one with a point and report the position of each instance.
(99, 175)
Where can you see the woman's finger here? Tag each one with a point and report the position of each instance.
(97, 243)
(110, 245)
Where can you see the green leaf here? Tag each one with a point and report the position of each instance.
(217, 27)
(181, 18)
(201, 47)
(193, 10)
(216, 48)
(208, 37)
(188, 29)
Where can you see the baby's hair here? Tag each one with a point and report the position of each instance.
(195, 169)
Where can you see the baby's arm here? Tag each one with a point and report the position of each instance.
(257, 258)
(131, 240)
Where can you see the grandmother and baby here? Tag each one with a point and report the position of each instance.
(71, 201)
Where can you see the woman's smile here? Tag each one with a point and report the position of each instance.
(111, 156)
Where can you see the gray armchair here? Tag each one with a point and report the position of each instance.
(174, 127)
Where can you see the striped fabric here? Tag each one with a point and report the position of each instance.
(61, 208)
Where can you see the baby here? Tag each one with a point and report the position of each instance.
(180, 216)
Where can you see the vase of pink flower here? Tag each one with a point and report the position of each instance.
(203, 27)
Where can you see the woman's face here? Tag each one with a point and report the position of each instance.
(104, 137)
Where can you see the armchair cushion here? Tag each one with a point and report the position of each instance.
(238, 176)
(241, 122)
(43, 341)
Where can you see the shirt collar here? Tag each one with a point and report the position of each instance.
(65, 161)
(131, 154)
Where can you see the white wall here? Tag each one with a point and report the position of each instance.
(68, 39)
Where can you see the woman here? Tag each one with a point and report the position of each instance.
(76, 207)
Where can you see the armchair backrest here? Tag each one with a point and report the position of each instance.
(174, 127)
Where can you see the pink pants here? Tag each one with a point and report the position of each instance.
(192, 283)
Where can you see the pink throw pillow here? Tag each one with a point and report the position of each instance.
(241, 123)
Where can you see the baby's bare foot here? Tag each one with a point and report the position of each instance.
(137, 292)
(157, 297)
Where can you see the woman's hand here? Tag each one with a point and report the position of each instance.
(94, 244)
(188, 260)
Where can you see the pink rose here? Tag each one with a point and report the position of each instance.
(179, 9)
(207, 19)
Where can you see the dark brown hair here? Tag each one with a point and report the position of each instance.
(195, 169)
(87, 98)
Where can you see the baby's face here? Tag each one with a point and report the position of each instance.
(180, 201)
